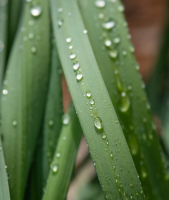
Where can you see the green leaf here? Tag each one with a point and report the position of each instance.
(3, 33)
(110, 40)
(24, 93)
(52, 125)
(4, 189)
(15, 10)
(64, 158)
(107, 144)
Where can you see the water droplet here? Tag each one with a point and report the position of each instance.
(66, 118)
(120, 8)
(143, 174)
(50, 122)
(100, 3)
(36, 11)
(14, 123)
(104, 136)
(124, 53)
(28, 1)
(79, 76)
(84, 31)
(31, 35)
(70, 47)
(60, 9)
(92, 102)
(25, 38)
(113, 53)
(108, 25)
(5, 82)
(101, 15)
(31, 22)
(131, 49)
(88, 94)
(58, 155)
(55, 168)
(1, 46)
(137, 67)
(64, 137)
(5, 92)
(133, 144)
(125, 102)
(116, 40)
(98, 123)
(68, 40)
(73, 56)
(23, 28)
(60, 23)
(33, 49)
(107, 43)
(76, 66)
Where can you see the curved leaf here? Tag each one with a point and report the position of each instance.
(24, 94)
(107, 144)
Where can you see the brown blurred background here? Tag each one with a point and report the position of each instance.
(146, 21)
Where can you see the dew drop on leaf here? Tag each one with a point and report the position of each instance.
(88, 94)
(58, 155)
(31, 36)
(98, 123)
(120, 8)
(116, 40)
(76, 66)
(108, 25)
(107, 43)
(68, 40)
(14, 123)
(33, 49)
(100, 3)
(55, 168)
(92, 102)
(73, 56)
(113, 53)
(104, 136)
(50, 122)
(79, 76)
(5, 92)
(66, 119)
(36, 11)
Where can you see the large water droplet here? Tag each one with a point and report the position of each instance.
(100, 3)
(5, 92)
(113, 53)
(108, 25)
(36, 11)
(1, 46)
(98, 123)
(72, 56)
(66, 119)
(125, 102)
(76, 66)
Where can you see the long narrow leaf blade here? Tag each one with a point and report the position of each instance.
(64, 158)
(107, 144)
(24, 93)
(109, 38)
(4, 189)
